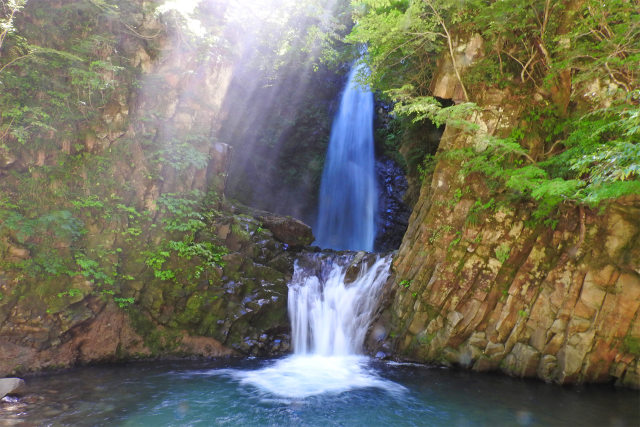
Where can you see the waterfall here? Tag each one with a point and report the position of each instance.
(348, 194)
(328, 316)
(333, 296)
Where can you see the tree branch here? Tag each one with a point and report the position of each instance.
(15, 60)
(613, 77)
(6, 131)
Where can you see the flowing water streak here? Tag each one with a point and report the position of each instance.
(348, 194)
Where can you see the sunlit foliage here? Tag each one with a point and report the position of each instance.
(575, 63)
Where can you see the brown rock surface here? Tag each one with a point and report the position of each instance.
(558, 304)
(544, 312)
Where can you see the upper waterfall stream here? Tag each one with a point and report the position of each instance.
(348, 193)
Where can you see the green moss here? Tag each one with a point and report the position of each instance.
(240, 232)
(191, 312)
(502, 252)
(631, 345)
(157, 340)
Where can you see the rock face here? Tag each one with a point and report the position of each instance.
(394, 214)
(291, 231)
(237, 309)
(529, 302)
(489, 292)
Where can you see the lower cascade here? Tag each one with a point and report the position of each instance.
(328, 316)
(331, 307)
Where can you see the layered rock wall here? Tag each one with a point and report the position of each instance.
(492, 290)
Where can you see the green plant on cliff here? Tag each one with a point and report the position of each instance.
(66, 197)
(406, 283)
(404, 37)
(631, 345)
(182, 219)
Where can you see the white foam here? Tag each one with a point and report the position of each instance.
(301, 376)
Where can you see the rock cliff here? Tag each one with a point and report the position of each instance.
(124, 246)
(482, 286)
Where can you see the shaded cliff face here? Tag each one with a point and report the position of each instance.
(479, 285)
(115, 240)
(393, 213)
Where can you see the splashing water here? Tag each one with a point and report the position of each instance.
(328, 316)
(348, 194)
(329, 319)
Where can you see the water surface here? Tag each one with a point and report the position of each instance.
(217, 394)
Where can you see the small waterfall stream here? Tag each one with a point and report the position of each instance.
(330, 316)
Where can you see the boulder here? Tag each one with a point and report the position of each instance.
(291, 231)
(355, 268)
(11, 386)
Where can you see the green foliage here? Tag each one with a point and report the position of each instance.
(420, 108)
(156, 260)
(559, 154)
(48, 92)
(602, 41)
(183, 217)
(402, 42)
(182, 154)
(456, 240)
(209, 253)
(66, 192)
(600, 162)
(631, 345)
(427, 167)
(95, 271)
(181, 214)
(124, 302)
(59, 224)
(388, 139)
(478, 210)
(70, 293)
(8, 11)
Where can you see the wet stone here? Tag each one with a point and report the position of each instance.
(11, 386)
